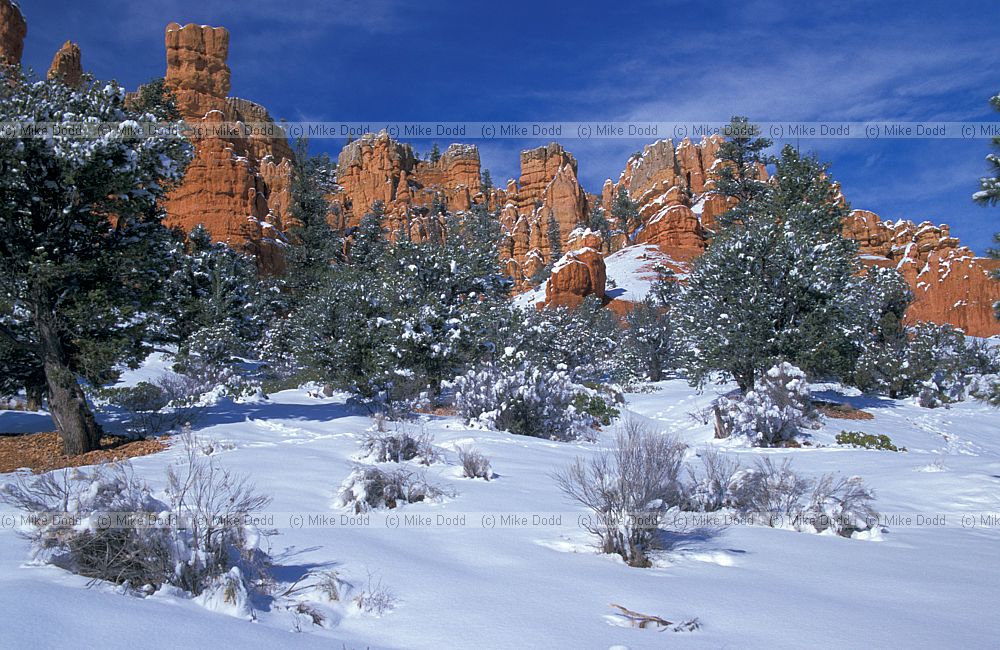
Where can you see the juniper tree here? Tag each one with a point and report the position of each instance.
(80, 239)
(739, 171)
(770, 286)
(156, 99)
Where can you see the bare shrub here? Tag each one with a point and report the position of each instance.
(842, 505)
(628, 490)
(217, 502)
(474, 464)
(768, 488)
(371, 488)
(708, 491)
(376, 598)
(105, 523)
(399, 446)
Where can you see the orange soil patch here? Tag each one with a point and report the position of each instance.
(842, 411)
(42, 452)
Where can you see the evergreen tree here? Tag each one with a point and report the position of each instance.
(155, 98)
(314, 243)
(989, 186)
(80, 241)
(770, 286)
(486, 183)
(215, 306)
(652, 341)
(598, 221)
(879, 302)
(989, 193)
(625, 212)
(555, 239)
(738, 174)
(369, 241)
(435, 153)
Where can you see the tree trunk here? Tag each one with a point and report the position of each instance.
(34, 394)
(67, 404)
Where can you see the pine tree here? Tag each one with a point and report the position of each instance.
(989, 186)
(652, 341)
(625, 212)
(989, 193)
(486, 183)
(555, 239)
(80, 240)
(769, 287)
(738, 174)
(369, 242)
(314, 243)
(598, 221)
(435, 153)
(155, 98)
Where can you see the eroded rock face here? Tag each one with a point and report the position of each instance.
(950, 284)
(575, 276)
(13, 29)
(197, 71)
(237, 187)
(67, 65)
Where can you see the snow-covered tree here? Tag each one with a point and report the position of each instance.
(80, 238)
(771, 285)
(989, 186)
(313, 242)
(652, 341)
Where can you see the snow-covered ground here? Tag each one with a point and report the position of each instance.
(542, 585)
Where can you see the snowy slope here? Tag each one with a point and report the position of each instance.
(542, 585)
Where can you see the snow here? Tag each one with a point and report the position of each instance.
(541, 585)
(631, 271)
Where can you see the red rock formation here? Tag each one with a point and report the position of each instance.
(950, 284)
(578, 274)
(377, 168)
(13, 29)
(197, 71)
(237, 187)
(67, 65)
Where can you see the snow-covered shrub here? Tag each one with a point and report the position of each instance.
(106, 524)
(767, 489)
(371, 488)
(399, 446)
(527, 401)
(774, 412)
(76, 526)
(708, 491)
(986, 388)
(474, 464)
(780, 496)
(842, 505)
(628, 490)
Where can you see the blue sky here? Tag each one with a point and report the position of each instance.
(640, 60)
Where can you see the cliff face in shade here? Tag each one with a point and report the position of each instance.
(67, 65)
(13, 29)
(237, 187)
